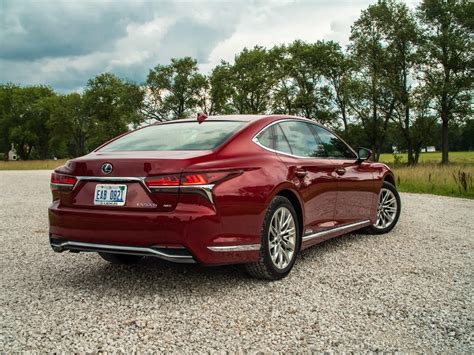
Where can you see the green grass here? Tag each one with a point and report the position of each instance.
(454, 157)
(436, 179)
(31, 164)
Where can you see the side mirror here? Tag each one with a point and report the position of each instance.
(363, 154)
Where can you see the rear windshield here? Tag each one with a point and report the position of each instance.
(176, 136)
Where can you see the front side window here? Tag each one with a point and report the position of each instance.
(176, 136)
(334, 147)
(300, 137)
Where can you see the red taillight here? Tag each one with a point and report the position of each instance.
(190, 179)
(194, 179)
(163, 180)
(60, 179)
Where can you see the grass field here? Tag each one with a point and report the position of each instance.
(428, 177)
(452, 180)
(454, 157)
(31, 164)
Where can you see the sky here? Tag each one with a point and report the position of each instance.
(63, 43)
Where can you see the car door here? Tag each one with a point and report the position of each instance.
(311, 172)
(355, 180)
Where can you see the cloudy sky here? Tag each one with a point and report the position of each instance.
(63, 43)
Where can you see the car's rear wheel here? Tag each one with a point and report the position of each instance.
(388, 210)
(280, 241)
(121, 258)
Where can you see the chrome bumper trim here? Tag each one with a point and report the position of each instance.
(231, 248)
(336, 229)
(120, 249)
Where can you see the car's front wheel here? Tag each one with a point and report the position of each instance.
(388, 210)
(280, 241)
(121, 258)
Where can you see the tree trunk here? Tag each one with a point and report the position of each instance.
(417, 155)
(411, 158)
(444, 140)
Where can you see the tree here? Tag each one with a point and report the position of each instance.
(307, 67)
(371, 98)
(174, 91)
(7, 92)
(69, 126)
(284, 89)
(251, 81)
(447, 69)
(220, 90)
(112, 105)
(337, 69)
(24, 118)
(400, 33)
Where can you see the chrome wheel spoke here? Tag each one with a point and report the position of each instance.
(282, 238)
(387, 209)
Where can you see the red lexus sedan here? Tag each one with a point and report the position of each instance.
(223, 190)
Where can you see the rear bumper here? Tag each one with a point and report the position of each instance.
(199, 232)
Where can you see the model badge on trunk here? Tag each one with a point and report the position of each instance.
(107, 168)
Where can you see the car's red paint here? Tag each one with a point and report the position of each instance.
(234, 217)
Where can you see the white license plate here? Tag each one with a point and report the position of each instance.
(111, 195)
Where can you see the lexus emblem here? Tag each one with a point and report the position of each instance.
(107, 168)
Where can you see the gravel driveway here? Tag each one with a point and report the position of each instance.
(410, 290)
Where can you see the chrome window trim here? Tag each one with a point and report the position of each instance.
(365, 222)
(255, 139)
(231, 248)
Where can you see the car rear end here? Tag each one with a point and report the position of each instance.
(142, 195)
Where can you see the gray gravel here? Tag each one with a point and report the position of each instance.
(410, 290)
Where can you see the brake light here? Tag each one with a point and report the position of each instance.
(163, 180)
(190, 179)
(64, 180)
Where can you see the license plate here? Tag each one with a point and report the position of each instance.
(110, 195)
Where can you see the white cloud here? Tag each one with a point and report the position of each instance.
(139, 34)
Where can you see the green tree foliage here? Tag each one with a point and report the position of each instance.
(250, 81)
(174, 90)
(69, 126)
(372, 100)
(112, 105)
(448, 53)
(23, 121)
(338, 69)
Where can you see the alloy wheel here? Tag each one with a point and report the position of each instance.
(386, 210)
(282, 238)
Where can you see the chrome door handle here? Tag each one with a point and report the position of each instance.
(340, 171)
(301, 173)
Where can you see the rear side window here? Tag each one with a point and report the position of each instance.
(281, 143)
(301, 138)
(176, 136)
(266, 138)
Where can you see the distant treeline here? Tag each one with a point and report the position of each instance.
(405, 80)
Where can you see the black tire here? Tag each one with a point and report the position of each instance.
(373, 229)
(265, 268)
(121, 258)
